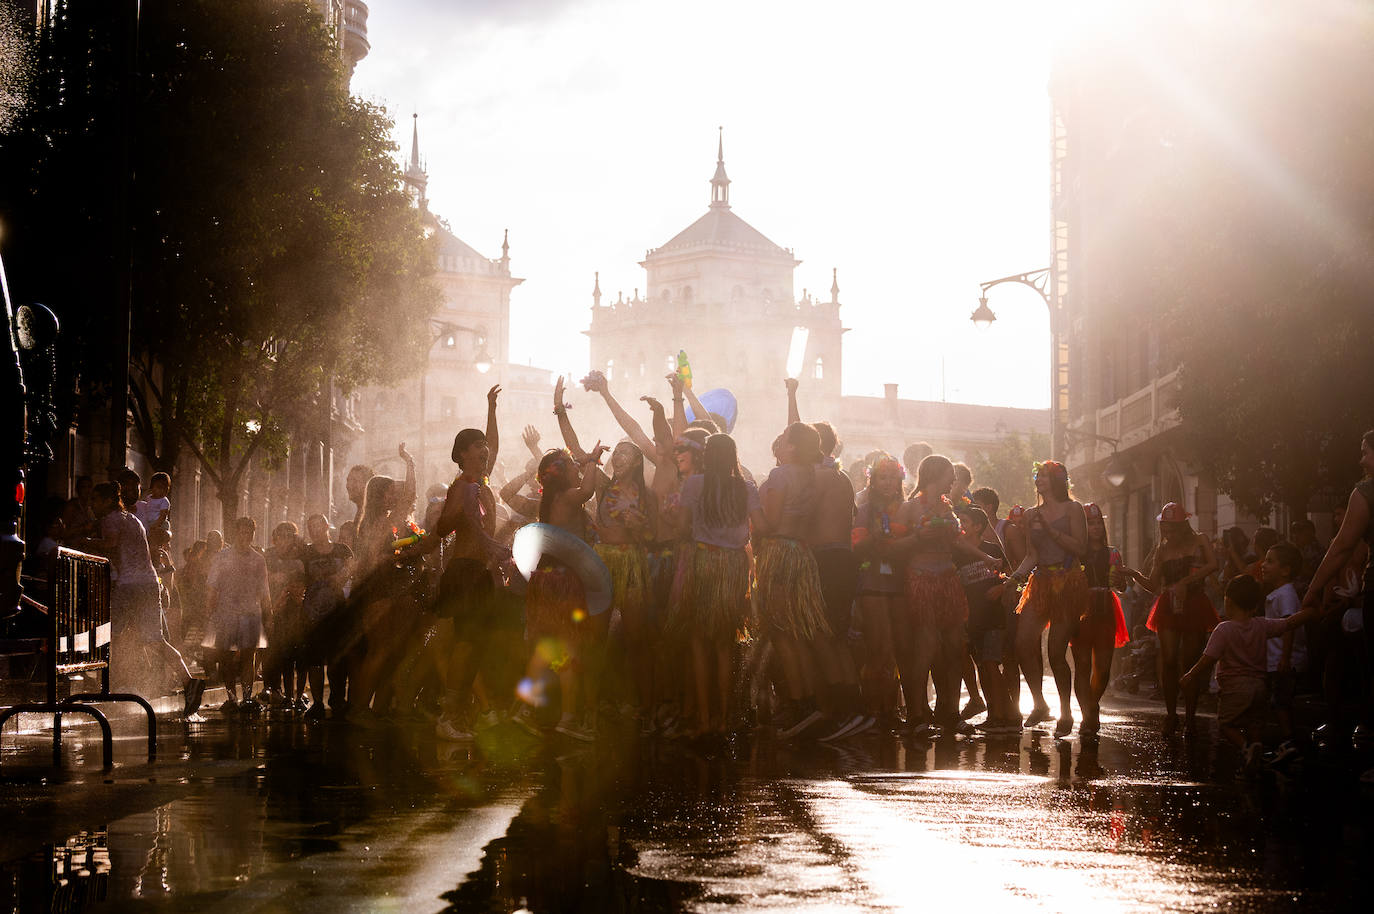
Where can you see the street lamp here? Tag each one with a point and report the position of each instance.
(1117, 470)
(1039, 280)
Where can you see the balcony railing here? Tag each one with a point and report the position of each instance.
(1149, 411)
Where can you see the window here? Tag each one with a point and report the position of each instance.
(819, 372)
(448, 407)
(642, 367)
(686, 293)
(666, 295)
(610, 369)
(671, 364)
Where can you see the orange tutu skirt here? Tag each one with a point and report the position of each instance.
(555, 603)
(1057, 594)
(1104, 624)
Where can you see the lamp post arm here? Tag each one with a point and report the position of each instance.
(1036, 279)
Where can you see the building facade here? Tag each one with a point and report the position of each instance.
(470, 351)
(724, 293)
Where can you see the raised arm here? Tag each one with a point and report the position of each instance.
(591, 473)
(493, 436)
(599, 384)
(1347, 539)
(560, 410)
(697, 409)
(521, 504)
(793, 412)
(679, 414)
(405, 502)
(531, 439)
(663, 432)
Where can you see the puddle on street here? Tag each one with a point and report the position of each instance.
(333, 819)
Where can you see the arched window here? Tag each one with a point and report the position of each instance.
(641, 365)
(819, 373)
(666, 295)
(671, 364)
(610, 369)
(686, 294)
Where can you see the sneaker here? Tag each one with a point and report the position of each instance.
(1285, 753)
(230, 706)
(1064, 727)
(802, 725)
(842, 728)
(250, 706)
(445, 729)
(315, 712)
(573, 731)
(525, 721)
(1038, 715)
(972, 709)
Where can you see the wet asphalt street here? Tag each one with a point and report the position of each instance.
(268, 815)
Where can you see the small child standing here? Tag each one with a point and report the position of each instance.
(1237, 647)
(153, 510)
(1286, 657)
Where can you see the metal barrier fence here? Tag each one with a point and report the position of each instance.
(80, 642)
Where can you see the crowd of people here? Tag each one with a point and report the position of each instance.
(807, 600)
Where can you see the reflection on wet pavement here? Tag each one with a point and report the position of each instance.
(274, 816)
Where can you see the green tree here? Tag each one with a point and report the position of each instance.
(274, 252)
(1007, 465)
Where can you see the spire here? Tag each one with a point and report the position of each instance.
(834, 285)
(596, 291)
(505, 249)
(415, 178)
(720, 184)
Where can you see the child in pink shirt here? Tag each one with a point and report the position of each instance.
(1239, 649)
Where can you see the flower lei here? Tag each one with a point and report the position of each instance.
(942, 518)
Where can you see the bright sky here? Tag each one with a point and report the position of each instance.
(905, 144)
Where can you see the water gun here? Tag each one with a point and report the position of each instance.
(684, 370)
(414, 535)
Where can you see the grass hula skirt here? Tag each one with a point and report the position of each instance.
(631, 585)
(936, 598)
(555, 603)
(1056, 593)
(715, 599)
(790, 598)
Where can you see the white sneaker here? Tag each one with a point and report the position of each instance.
(445, 729)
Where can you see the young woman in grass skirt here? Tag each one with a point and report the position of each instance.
(791, 608)
(1056, 589)
(935, 597)
(556, 618)
(720, 506)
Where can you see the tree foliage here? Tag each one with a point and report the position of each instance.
(274, 248)
(1007, 465)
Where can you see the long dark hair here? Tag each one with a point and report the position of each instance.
(648, 501)
(724, 494)
(372, 518)
(553, 484)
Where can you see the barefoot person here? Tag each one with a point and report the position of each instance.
(1056, 589)
(1182, 615)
